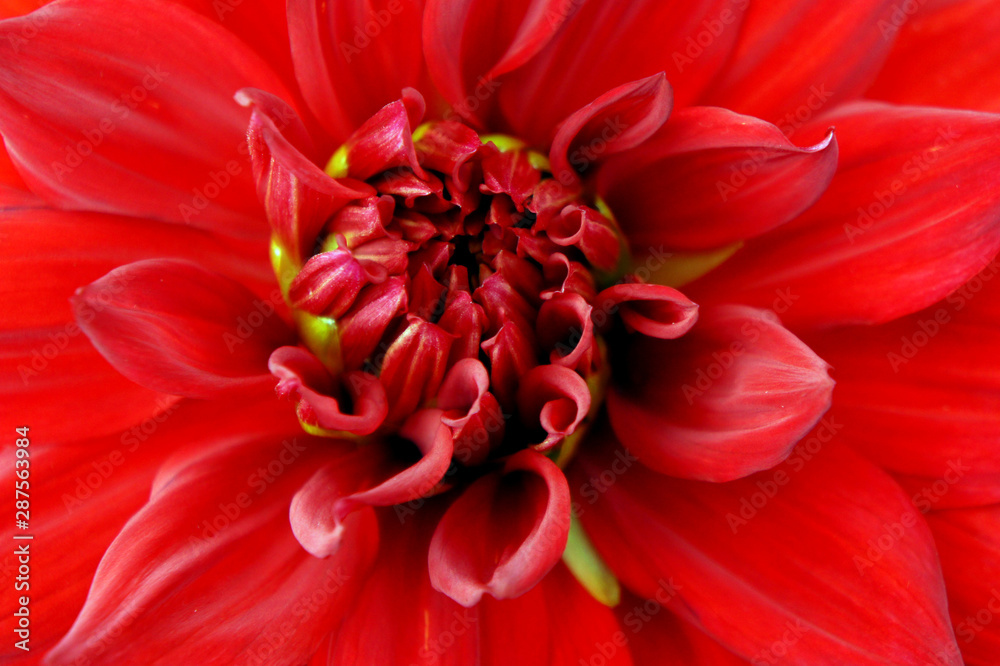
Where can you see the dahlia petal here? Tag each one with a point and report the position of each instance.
(512, 354)
(420, 480)
(471, 411)
(920, 396)
(214, 537)
(361, 329)
(175, 327)
(556, 622)
(300, 373)
(651, 309)
(968, 541)
(298, 197)
(9, 8)
(414, 366)
(466, 321)
(943, 55)
(328, 284)
(471, 42)
(622, 42)
(856, 579)
(657, 636)
(340, 50)
(730, 398)
(891, 221)
(504, 533)
(383, 142)
(795, 58)
(589, 231)
(565, 326)
(619, 119)
(554, 398)
(171, 147)
(726, 177)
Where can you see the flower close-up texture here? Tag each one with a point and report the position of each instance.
(468, 332)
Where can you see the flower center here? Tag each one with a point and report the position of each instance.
(467, 280)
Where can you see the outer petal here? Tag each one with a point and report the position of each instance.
(214, 538)
(556, 622)
(944, 55)
(619, 119)
(505, 532)
(178, 328)
(911, 215)
(796, 57)
(921, 396)
(48, 365)
(151, 137)
(651, 309)
(712, 177)
(730, 398)
(827, 550)
(969, 544)
(341, 51)
(603, 45)
(468, 43)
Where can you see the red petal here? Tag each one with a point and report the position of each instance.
(302, 374)
(505, 532)
(362, 479)
(362, 328)
(471, 411)
(712, 177)
(796, 57)
(414, 366)
(468, 43)
(910, 215)
(328, 284)
(555, 399)
(298, 197)
(214, 537)
(944, 55)
(731, 398)
(353, 57)
(175, 327)
(825, 554)
(921, 396)
(384, 141)
(619, 119)
(603, 45)
(969, 544)
(651, 309)
(156, 135)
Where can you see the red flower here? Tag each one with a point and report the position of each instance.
(352, 333)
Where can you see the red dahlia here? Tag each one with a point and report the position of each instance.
(461, 332)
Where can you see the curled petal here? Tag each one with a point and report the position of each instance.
(414, 367)
(720, 177)
(301, 374)
(361, 329)
(328, 284)
(175, 327)
(591, 232)
(512, 354)
(651, 309)
(505, 532)
(471, 411)
(619, 119)
(383, 142)
(730, 398)
(565, 326)
(555, 398)
(297, 196)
